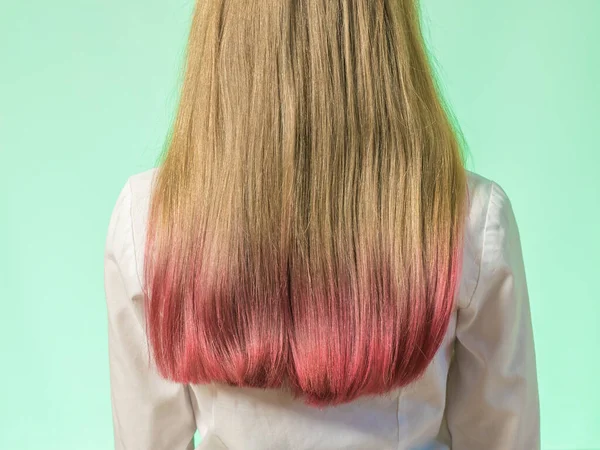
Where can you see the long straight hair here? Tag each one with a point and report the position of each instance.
(305, 227)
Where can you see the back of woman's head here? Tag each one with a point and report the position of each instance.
(305, 228)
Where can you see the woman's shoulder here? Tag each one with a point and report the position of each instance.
(126, 232)
(141, 184)
(489, 215)
(485, 198)
(480, 189)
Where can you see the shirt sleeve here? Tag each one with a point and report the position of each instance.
(492, 398)
(148, 412)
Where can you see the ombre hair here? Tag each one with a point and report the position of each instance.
(305, 228)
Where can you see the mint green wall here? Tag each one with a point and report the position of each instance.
(86, 93)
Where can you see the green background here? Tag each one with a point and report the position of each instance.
(87, 90)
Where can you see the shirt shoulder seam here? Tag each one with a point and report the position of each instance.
(483, 244)
(131, 238)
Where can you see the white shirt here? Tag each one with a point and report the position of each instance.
(479, 393)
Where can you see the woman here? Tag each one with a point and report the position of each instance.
(311, 266)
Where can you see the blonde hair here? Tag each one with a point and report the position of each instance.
(306, 224)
